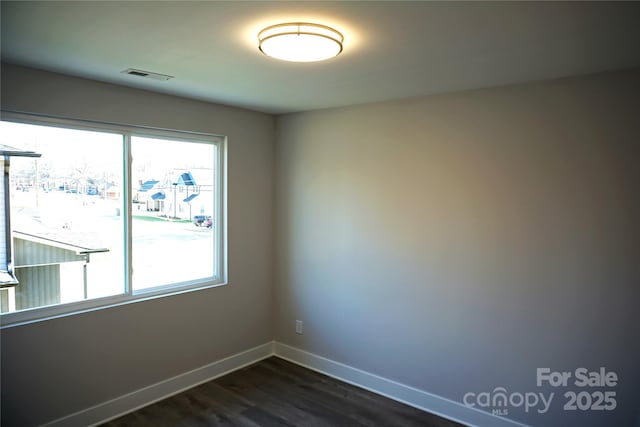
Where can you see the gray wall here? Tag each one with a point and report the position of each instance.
(456, 243)
(54, 368)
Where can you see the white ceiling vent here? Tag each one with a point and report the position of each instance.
(146, 74)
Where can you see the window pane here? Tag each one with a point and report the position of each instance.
(173, 209)
(66, 216)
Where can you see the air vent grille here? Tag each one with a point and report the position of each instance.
(146, 74)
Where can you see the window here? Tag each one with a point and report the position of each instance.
(107, 215)
(185, 251)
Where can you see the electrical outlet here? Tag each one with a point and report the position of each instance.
(299, 329)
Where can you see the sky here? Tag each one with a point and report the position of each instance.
(65, 150)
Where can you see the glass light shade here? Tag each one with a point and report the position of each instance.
(300, 42)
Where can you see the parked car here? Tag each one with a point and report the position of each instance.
(200, 220)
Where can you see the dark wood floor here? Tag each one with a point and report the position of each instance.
(274, 392)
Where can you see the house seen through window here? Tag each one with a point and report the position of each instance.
(102, 216)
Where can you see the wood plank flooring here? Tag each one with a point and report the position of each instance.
(274, 392)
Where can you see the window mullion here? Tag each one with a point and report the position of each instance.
(128, 217)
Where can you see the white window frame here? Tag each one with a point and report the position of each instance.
(129, 295)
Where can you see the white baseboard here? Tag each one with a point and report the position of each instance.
(130, 402)
(137, 399)
(432, 403)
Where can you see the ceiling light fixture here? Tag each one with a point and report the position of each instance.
(300, 42)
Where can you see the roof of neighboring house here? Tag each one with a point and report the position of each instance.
(7, 278)
(195, 177)
(80, 243)
(148, 185)
(6, 150)
(159, 196)
(186, 178)
(191, 197)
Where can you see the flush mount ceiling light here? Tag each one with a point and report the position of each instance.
(300, 42)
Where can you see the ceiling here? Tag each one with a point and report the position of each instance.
(391, 50)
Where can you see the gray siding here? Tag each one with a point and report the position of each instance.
(32, 253)
(39, 286)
